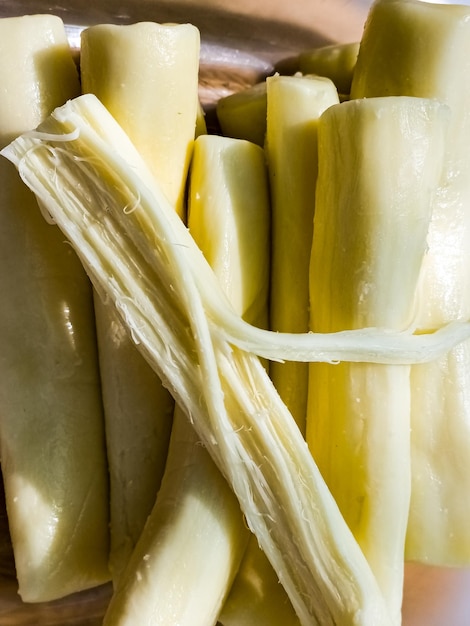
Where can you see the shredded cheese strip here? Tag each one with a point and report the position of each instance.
(145, 261)
(142, 260)
(50, 396)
